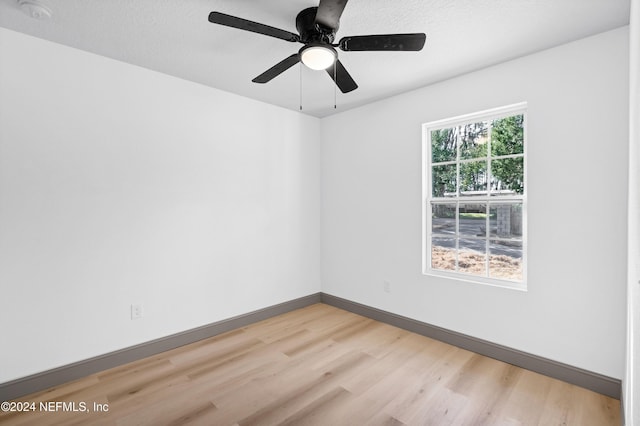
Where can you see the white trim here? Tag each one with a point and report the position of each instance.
(631, 380)
(427, 198)
(476, 279)
(486, 115)
(474, 160)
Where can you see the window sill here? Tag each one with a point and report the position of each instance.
(473, 279)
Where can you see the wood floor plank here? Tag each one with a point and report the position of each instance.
(320, 366)
(531, 390)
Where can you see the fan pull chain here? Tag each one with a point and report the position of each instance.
(335, 80)
(300, 87)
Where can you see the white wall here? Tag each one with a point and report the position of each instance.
(632, 374)
(574, 310)
(119, 185)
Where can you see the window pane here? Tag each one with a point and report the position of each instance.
(473, 178)
(506, 220)
(473, 140)
(505, 259)
(507, 136)
(443, 254)
(443, 219)
(443, 180)
(507, 176)
(443, 145)
(473, 220)
(472, 256)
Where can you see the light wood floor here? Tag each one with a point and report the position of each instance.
(322, 366)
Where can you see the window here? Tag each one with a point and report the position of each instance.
(474, 193)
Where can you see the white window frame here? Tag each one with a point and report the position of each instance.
(427, 198)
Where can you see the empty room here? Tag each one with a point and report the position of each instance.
(320, 212)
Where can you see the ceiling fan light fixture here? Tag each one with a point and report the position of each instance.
(318, 56)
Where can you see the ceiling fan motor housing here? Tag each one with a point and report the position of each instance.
(310, 32)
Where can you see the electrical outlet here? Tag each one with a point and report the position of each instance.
(136, 311)
(386, 286)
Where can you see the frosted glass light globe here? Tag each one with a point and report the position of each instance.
(318, 57)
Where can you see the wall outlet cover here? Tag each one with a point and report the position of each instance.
(136, 311)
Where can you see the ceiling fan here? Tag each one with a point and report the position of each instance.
(317, 27)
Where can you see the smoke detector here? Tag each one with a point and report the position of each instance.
(35, 9)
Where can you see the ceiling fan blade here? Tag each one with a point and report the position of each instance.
(342, 78)
(277, 69)
(254, 27)
(329, 12)
(386, 42)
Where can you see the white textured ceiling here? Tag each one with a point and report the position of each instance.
(174, 37)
